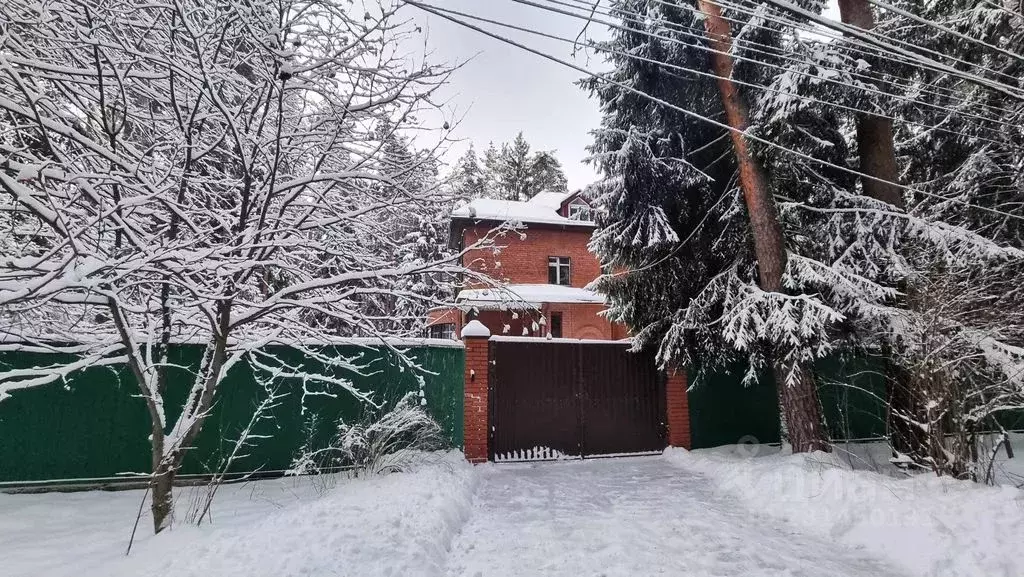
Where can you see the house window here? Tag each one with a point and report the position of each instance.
(580, 212)
(558, 270)
(441, 331)
(555, 328)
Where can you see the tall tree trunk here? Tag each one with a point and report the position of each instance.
(799, 400)
(877, 152)
(875, 144)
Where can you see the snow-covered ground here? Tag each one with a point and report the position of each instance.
(923, 524)
(400, 524)
(722, 512)
(626, 517)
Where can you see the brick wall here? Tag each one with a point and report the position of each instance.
(475, 414)
(677, 409)
(525, 260)
(583, 321)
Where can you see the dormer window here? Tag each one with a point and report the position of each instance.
(581, 212)
(558, 270)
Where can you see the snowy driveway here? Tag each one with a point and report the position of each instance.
(631, 517)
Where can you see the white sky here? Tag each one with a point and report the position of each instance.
(503, 89)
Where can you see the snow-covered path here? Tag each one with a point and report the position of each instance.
(631, 517)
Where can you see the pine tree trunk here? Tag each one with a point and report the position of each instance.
(799, 401)
(875, 144)
(801, 412)
(877, 151)
(764, 217)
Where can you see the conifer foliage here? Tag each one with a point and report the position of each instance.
(511, 172)
(682, 235)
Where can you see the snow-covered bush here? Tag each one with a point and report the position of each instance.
(384, 441)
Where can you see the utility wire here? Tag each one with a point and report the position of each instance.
(437, 12)
(853, 37)
(702, 37)
(938, 26)
(880, 40)
(876, 41)
(775, 52)
(620, 53)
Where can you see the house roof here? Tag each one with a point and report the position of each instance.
(520, 295)
(515, 211)
(551, 200)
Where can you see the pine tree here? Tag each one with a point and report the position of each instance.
(969, 175)
(469, 179)
(672, 225)
(515, 176)
(546, 173)
(843, 251)
(514, 173)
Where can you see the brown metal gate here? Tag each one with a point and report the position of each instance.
(556, 398)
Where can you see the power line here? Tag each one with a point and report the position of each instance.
(854, 49)
(435, 11)
(688, 32)
(698, 72)
(853, 37)
(774, 52)
(937, 26)
(879, 40)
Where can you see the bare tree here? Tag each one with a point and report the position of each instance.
(961, 346)
(207, 172)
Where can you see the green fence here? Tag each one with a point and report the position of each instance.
(724, 411)
(94, 425)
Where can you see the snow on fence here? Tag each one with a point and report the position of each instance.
(93, 427)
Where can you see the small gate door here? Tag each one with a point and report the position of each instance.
(561, 398)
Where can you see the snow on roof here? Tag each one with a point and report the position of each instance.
(511, 210)
(552, 200)
(531, 294)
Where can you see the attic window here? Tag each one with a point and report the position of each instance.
(580, 212)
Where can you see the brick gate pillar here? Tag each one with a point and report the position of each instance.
(474, 403)
(677, 409)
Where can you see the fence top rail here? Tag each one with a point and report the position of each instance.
(510, 339)
(11, 344)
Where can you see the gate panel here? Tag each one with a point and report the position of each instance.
(534, 407)
(622, 401)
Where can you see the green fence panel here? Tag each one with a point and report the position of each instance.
(91, 426)
(852, 395)
(94, 425)
(724, 411)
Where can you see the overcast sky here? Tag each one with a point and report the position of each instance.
(504, 90)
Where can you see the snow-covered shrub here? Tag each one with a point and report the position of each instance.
(386, 441)
(961, 366)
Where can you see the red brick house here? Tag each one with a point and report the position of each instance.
(544, 271)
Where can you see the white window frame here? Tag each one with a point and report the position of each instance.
(581, 212)
(557, 264)
(447, 331)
